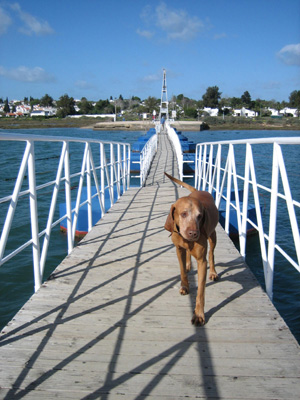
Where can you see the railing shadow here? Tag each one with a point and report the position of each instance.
(110, 381)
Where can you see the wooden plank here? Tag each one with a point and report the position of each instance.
(110, 323)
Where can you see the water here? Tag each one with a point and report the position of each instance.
(16, 277)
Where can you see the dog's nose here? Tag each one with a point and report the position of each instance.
(193, 234)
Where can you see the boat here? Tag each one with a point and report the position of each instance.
(136, 150)
(233, 223)
(82, 222)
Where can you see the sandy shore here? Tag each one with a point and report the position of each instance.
(145, 125)
(188, 125)
(124, 125)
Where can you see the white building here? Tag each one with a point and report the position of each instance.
(213, 112)
(43, 111)
(243, 112)
(274, 113)
(288, 110)
(23, 109)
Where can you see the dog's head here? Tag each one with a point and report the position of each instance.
(186, 217)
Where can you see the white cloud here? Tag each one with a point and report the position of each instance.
(177, 23)
(219, 36)
(5, 21)
(31, 24)
(153, 77)
(145, 33)
(290, 54)
(81, 84)
(25, 74)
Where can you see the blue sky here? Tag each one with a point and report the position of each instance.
(98, 49)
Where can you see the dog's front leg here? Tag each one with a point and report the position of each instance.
(213, 276)
(198, 317)
(188, 261)
(181, 254)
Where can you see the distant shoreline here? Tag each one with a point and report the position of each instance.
(84, 123)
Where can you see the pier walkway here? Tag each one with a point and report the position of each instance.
(111, 324)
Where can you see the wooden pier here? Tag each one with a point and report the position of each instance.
(111, 324)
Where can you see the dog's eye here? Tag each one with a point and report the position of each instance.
(184, 215)
(199, 217)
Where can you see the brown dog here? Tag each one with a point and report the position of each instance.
(192, 221)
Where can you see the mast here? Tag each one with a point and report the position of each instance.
(164, 104)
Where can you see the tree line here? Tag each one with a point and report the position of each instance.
(212, 98)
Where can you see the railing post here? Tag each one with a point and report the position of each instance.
(111, 182)
(14, 201)
(272, 225)
(128, 166)
(34, 219)
(89, 188)
(196, 167)
(124, 169)
(68, 197)
(218, 172)
(80, 185)
(119, 170)
(243, 233)
(102, 176)
(204, 166)
(229, 179)
(210, 169)
(53, 205)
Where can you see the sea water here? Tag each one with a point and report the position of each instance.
(16, 276)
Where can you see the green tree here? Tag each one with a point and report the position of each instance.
(151, 104)
(257, 107)
(85, 106)
(135, 98)
(46, 101)
(235, 102)
(246, 99)
(191, 112)
(33, 102)
(295, 100)
(211, 97)
(66, 106)
(6, 107)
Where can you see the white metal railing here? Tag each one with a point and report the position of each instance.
(223, 167)
(178, 151)
(106, 164)
(177, 147)
(146, 156)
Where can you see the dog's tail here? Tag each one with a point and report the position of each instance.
(186, 185)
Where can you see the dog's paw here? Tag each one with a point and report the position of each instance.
(198, 320)
(184, 290)
(213, 276)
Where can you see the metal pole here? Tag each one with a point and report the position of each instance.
(34, 219)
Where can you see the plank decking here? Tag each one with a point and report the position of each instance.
(111, 324)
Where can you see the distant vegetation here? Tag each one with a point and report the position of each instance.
(185, 107)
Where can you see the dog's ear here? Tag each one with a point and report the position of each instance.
(207, 226)
(169, 225)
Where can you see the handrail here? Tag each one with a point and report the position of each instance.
(113, 166)
(146, 156)
(177, 147)
(218, 172)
